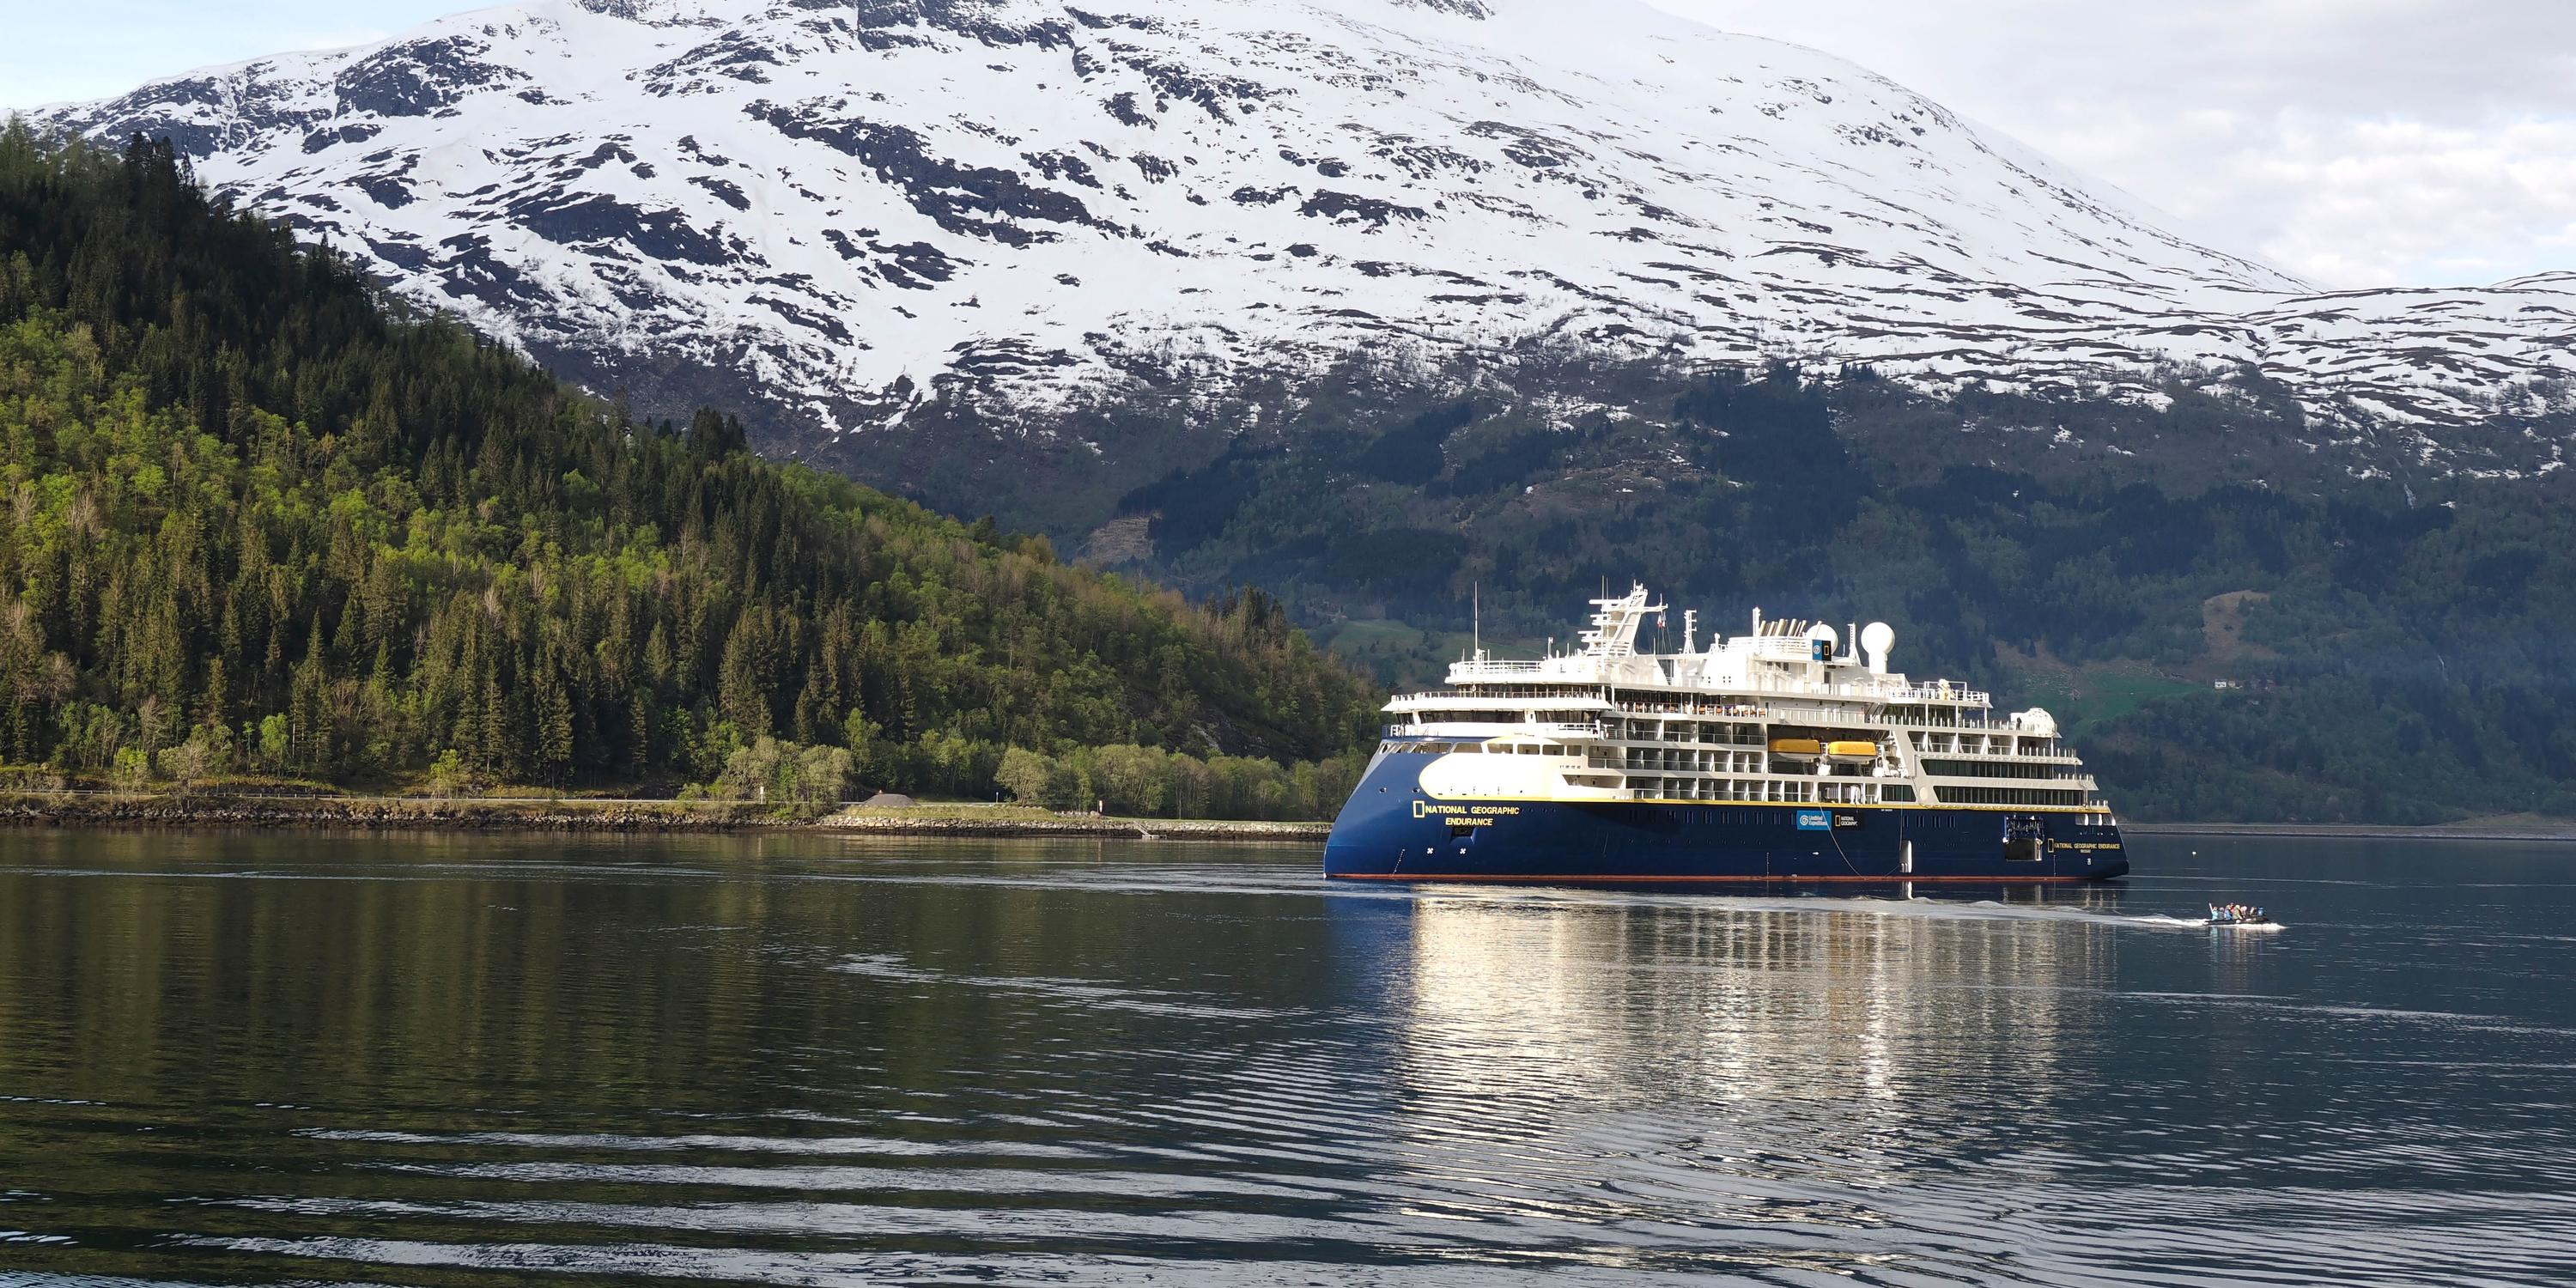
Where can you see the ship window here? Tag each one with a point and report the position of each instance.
(1983, 769)
(1956, 795)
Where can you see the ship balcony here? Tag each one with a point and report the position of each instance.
(1978, 720)
(1716, 706)
(1952, 694)
(1998, 745)
(1764, 791)
(1701, 759)
(1498, 668)
(1473, 730)
(1513, 697)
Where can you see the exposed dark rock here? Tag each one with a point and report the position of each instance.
(390, 191)
(354, 132)
(913, 264)
(1123, 106)
(1174, 81)
(418, 78)
(724, 191)
(1532, 148)
(809, 319)
(734, 55)
(980, 200)
(472, 271)
(402, 255)
(1057, 166)
(1373, 211)
(595, 219)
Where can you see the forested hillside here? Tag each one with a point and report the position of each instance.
(2395, 640)
(260, 520)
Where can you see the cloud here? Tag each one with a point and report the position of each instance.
(2378, 201)
(2352, 142)
(2347, 201)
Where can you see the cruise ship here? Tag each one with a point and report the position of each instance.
(1782, 755)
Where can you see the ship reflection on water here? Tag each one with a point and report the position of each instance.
(1741, 1064)
(1744, 1000)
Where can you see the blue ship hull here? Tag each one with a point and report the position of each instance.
(1391, 830)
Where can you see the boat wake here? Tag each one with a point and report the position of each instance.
(2145, 921)
(1299, 881)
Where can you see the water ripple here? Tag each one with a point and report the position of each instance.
(1036, 1067)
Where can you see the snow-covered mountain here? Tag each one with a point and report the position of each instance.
(849, 209)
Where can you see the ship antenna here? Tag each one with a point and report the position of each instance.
(1476, 617)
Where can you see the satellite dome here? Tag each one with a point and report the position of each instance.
(1875, 639)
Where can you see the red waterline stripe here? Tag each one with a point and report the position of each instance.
(1709, 880)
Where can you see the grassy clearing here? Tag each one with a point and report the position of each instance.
(2112, 693)
(2094, 693)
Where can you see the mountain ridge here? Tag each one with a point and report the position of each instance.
(862, 214)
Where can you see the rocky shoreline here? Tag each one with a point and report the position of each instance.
(896, 823)
(377, 813)
(574, 814)
(218, 809)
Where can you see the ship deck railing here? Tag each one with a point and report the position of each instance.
(1736, 710)
(1493, 669)
(1500, 729)
(1967, 704)
(1571, 694)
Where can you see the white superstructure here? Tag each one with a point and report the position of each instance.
(1787, 713)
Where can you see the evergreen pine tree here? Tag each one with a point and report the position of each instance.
(308, 709)
(363, 538)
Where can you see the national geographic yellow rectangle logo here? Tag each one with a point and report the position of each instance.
(1462, 813)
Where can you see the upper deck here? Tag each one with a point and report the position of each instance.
(1782, 664)
(1785, 713)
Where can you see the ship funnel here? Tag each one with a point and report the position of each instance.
(1875, 639)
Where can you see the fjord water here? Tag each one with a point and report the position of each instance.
(468, 1060)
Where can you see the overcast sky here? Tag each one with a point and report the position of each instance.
(2352, 142)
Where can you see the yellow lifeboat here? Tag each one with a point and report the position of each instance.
(1807, 747)
(1851, 751)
